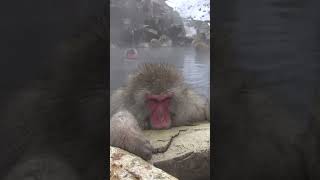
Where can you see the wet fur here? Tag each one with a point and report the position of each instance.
(186, 105)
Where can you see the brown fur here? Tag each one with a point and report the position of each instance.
(186, 107)
(200, 46)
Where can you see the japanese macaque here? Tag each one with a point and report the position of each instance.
(165, 41)
(200, 46)
(199, 43)
(155, 97)
(155, 43)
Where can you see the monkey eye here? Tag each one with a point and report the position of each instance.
(152, 98)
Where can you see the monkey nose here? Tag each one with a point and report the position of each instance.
(160, 115)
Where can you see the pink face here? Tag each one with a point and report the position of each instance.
(158, 106)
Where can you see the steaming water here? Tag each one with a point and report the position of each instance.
(195, 68)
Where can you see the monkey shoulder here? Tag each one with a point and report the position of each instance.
(191, 107)
(117, 100)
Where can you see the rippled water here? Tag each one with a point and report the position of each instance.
(195, 67)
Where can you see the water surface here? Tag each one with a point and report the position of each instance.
(195, 67)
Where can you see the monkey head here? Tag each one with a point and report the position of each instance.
(154, 90)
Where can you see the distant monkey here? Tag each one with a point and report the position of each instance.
(155, 43)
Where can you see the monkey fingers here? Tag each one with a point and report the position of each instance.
(139, 145)
(135, 143)
(126, 134)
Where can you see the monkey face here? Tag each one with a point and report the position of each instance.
(158, 107)
(153, 88)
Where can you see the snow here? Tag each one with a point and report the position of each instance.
(196, 9)
(190, 31)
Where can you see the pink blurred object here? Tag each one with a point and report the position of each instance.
(132, 53)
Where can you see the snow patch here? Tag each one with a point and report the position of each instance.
(195, 9)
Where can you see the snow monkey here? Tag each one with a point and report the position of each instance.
(155, 97)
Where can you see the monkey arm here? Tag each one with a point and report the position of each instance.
(125, 133)
(192, 108)
(116, 101)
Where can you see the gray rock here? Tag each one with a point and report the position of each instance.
(126, 166)
(183, 152)
(132, 20)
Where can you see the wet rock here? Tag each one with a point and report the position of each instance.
(163, 41)
(126, 166)
(202, 29)
(149, 34)
(139, 21)
(183, 152)
(177, 33)
(143, 45)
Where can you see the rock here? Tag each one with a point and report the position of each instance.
(183, 152)
(163, 41)
(126, 166)
(149, 33)
(143, 45)
(135, 22)
(152, 31)
(202, 29)
(155, 43)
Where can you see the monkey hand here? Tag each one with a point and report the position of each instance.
(139, 145)
(126, 134)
